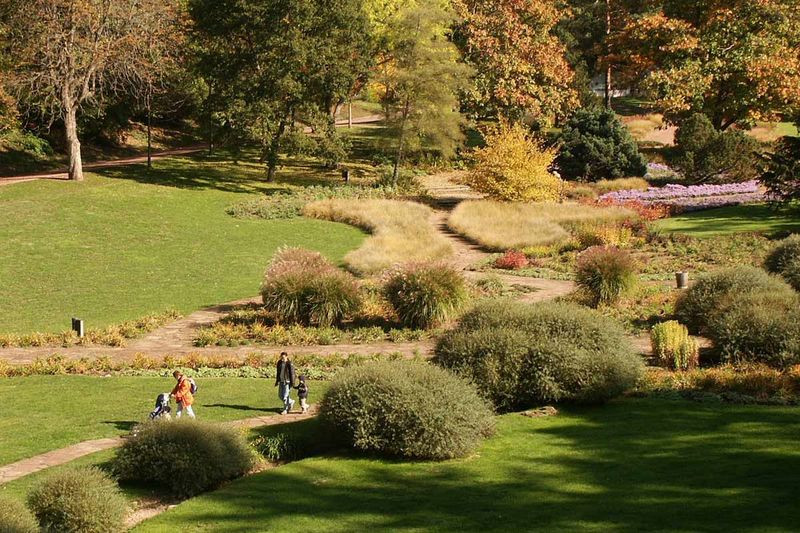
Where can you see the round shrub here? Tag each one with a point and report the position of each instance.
(784, 259)
(758, 327)
(79, 500)
(698, 304)
(425, 294)
(512, 260)
(523, 355)
(406, 409)
(595, 145)
(15, 517)
(605, 274)
(301, 286)
(185, 456)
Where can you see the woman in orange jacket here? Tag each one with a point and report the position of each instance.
(183, 395)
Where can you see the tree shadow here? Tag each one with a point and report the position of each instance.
(636, 465)
(238, 407)
(122, 425)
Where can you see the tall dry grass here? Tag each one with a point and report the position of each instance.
(401, 232)
(505, 226)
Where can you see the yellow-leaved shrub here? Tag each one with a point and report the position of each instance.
(514, 166)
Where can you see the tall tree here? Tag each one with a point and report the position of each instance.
(69, 53)
(8, 106)
(520, 61)
(735, 62)
(421, 78)
(270, 63)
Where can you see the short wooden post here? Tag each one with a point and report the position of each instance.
(77, 327)
(346, 175)
(681, 280)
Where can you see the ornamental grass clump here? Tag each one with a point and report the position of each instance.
(406, 409)
(15, 517)
(79, 500)
(522, 356)
(186, 457)
(673, 347)
(301, 286)
(784, 260)
(423, 295)
(605, 274)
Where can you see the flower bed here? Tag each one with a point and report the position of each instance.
(691, 197)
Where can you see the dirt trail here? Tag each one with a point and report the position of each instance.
(70, 453)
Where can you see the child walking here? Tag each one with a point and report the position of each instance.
(302, 393)
(183, 395)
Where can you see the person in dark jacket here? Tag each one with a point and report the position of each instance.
(302, 393)
(284, 380)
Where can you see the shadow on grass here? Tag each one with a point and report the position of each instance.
(122, 425)
(637, 465)
(776, 222)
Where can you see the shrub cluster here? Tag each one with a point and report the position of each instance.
(522, 355)
(673, 347)
(597, 145)
(782, 170)
(406, 409)
(750, 315)
(784, 259)
(292, 442)
(79, 500)
(605, 274)
(513, 166)
(185, 456)
(15, 517)
(301, 286)
(423, 295)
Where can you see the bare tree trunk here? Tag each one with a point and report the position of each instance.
(149, 135)
(349, 114)
(608, 88)
(275, 146)
(401, 143)
(73, 144)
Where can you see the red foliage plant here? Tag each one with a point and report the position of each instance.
(512, 260)
(645, 211)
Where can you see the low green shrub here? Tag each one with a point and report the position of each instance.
(292, 442)
(301, 286)
(406, 409)
(79, 500)
(703, 300)
(185, 456)
(673, 347)
(522, 355)
(605, 274)
(784, 260)
(758, 327)
(423, 295)
(15, 517)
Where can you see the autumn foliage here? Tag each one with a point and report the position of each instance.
(514, 166)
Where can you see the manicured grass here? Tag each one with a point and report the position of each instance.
(43, 413)
(633, 465)
(733, 219)
(126, 242)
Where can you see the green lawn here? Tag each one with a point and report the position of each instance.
(126, 242)
(43, 413)
(733, 219)
(633, 465)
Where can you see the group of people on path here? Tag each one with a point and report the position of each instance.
(284, 380)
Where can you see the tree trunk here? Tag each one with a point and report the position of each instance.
(349, 114)
(274, 148)
(401, 142)
(149, 136)
(608, 88)
(73, 144)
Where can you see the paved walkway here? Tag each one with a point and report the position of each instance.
(70, 453)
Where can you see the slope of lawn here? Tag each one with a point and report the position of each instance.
(42, 413)
(633, 465)
(733, 219)
(126, 242)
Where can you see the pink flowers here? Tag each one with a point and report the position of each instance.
(692, 197)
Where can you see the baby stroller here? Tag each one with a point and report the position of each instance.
(162, 409)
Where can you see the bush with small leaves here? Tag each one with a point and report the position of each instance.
(79, 500)
(423, 295)
(673, 347)
(521, 355)
(15, 517)
(406, 409)
(512, 260)
(185, 456)
(784, 260)
(301, 286)
(605, 274)
(703, 300)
